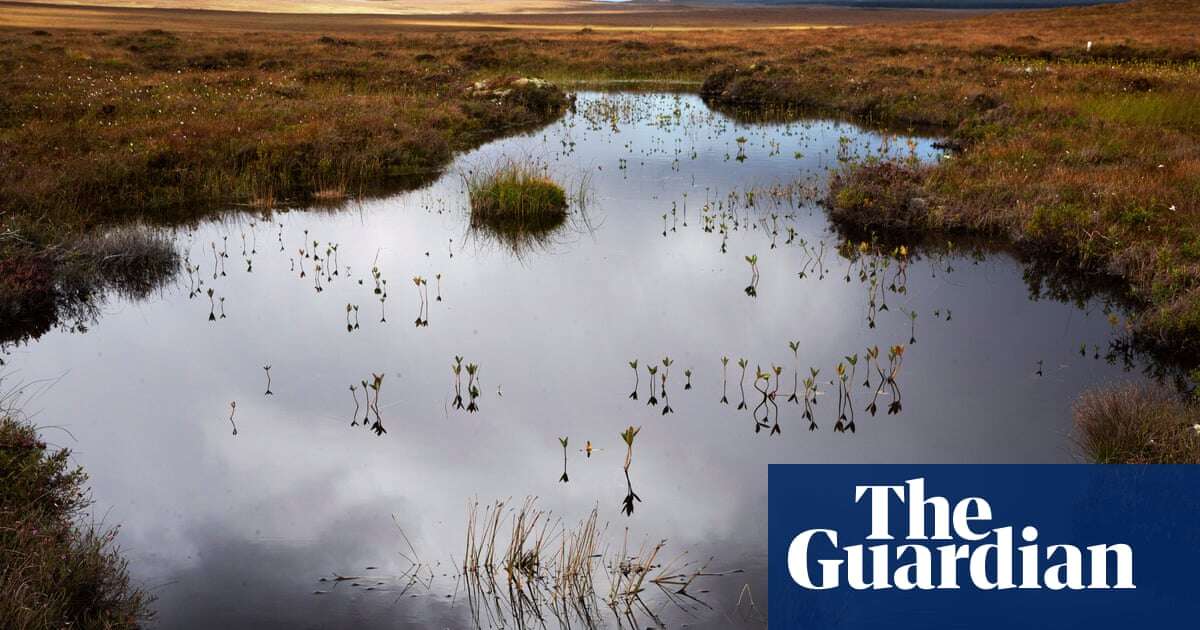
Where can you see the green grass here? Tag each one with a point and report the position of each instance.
(516, 194)
(56, 570)
(1175, 110)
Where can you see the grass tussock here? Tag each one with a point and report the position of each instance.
(516, 195)
(882, 196)
(1137, 424)
(56, 570)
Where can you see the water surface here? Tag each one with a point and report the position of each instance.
(241, 528)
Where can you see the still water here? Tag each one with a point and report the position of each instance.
(242, 528)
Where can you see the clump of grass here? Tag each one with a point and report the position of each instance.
(1137, 424)
(879, 195)
(516, 195)
(56, 571)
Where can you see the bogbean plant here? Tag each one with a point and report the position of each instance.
(752, 288)
(724, 380)
(628, 436)
(742, 362)
(653, 370)
(563, 441)
(637, 382)
(667, 362)
(472, 387)
(456, 369)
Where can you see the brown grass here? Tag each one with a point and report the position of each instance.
(56, 569)
(1089, 155)
(1137, 424)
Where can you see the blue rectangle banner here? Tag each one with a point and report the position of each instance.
(984, 546)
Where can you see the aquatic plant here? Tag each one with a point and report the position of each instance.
(845, 398)
(456, 369)
(794, 346)
(777, 370)
(472, 387)
(423, 293)
(212, 306)
(667, 362)
(652, 369)
(666, 400)
(900, 280)
(267, 368)
(810, 397)
(232, 411)
(742, 382)
(366, 387)
(377, 276)
(628, 436)
(376, 385)
(888, 380)
(521, 568)
(354, 416)
(687, 374)
(636, 380)
(765, 378)
(752, 288)
(563, 441)
(895, 356)
(724, 379)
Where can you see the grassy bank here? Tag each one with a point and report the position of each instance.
(160, 126)
(56, 569)
(1089, 153)
(1137, 424)
(1076, 135)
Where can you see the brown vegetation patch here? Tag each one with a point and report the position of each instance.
(1137, 424)
(56, 571)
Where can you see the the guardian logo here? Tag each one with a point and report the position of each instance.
(975, 554)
